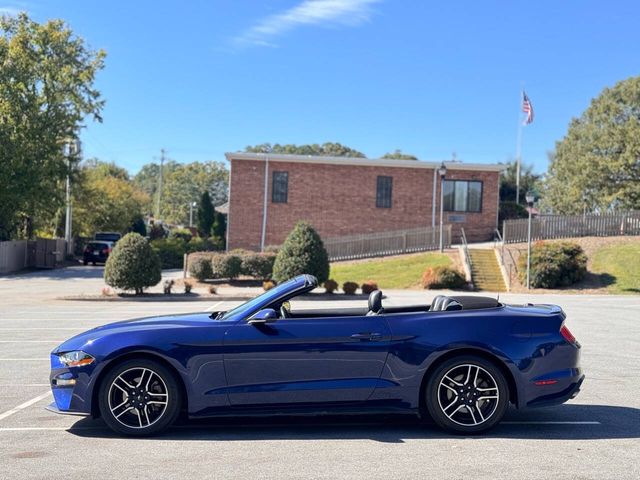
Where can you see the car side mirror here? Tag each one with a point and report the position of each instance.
(266, 315)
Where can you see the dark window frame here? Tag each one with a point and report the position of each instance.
(384, 191)
(280, 194)
(452, 208)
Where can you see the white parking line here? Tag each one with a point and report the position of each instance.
(11, 385)
(31, 341)
(24, 405)
(24, 359)
(213, 307)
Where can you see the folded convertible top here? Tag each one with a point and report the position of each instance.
(472, 302)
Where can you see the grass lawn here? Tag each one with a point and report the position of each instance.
(396, 272)
(622, 262)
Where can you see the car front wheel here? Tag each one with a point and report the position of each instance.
(139, 397)
(467, 394)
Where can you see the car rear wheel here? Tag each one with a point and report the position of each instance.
(467, 394)
(139, 397)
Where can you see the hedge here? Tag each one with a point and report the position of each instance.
(442, 277)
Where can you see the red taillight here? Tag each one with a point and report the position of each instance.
(546, 382)
(568, 336)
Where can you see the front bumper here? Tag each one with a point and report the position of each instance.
(71, 388)
(52, 407)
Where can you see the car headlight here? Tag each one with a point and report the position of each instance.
(77, 358)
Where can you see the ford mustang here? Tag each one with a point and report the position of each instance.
(459, 360)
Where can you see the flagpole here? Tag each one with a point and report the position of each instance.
(519, 148)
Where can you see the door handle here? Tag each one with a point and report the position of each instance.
(367, 336)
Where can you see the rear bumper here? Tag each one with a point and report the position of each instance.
(562, 395)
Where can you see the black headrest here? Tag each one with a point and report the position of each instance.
(375, 301)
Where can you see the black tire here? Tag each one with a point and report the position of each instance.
(93, 263)
(141, 412)
(468, 396)
(85, 262)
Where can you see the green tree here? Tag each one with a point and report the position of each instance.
(147, 178)
(302, 252)
(206, 215)
(328, 149)
(398, 155)
(46, 92)
(105, 200)
(219, 231)
(508, 179)
(132, 265)
(186, 183)
(597, 164)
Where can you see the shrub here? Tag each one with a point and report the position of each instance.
(511, 210)
(369, 286)
(181, 234)
(258, 265)
(170, 251)
(330, 286)
(225, 265)
(268, 285)
(156, 231)
(272, 249)
(199, 244)
(554, 264)
(212, 289)
(187, 287)
(349, 288)
(302, 252)
(167, 285)
(132, 265)
(442, 277)
(200, 267)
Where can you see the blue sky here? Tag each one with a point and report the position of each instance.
(201, 78)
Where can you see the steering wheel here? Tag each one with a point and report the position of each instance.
(284, 310)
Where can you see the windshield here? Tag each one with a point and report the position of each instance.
(261, 300)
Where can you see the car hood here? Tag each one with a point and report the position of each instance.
(137, 325)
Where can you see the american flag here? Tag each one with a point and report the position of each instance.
(527, 108)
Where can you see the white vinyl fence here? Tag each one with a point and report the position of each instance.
(387, 243)
(40, 253)
(565, 226)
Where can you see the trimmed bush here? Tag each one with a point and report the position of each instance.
(187, 287)
(258, 265)
(369, 286)
(442, 277)
(554, 264)
(302, 252)
(226, 265)
(200, 267)
(181, 234)
(170, 251)
(132, 265)
(349, 288)
(330, 286)
(268, 285)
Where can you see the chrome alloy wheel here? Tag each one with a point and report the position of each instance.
(468, 395)
(138, 397)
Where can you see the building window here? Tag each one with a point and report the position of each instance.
(462, 196)
(280, 187)
(383, 192)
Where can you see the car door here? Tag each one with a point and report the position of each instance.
(305, 361)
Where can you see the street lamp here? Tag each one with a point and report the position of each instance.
(192, 205)
(70, 149)
(442, 171)
(530, 198)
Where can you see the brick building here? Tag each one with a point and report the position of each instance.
(344, 196)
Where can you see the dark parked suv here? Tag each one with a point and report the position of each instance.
(96, 251)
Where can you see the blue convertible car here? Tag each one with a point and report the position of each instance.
(460, 360)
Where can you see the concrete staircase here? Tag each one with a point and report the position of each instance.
(485, 270)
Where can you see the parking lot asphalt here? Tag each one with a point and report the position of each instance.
(595, 436)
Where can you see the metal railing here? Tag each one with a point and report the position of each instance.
(387, 243)
(565, 226)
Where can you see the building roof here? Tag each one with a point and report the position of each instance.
(365, 162)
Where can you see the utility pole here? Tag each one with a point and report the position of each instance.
(158, 204)
(71, 149)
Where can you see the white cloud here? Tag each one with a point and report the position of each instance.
(309, 12)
